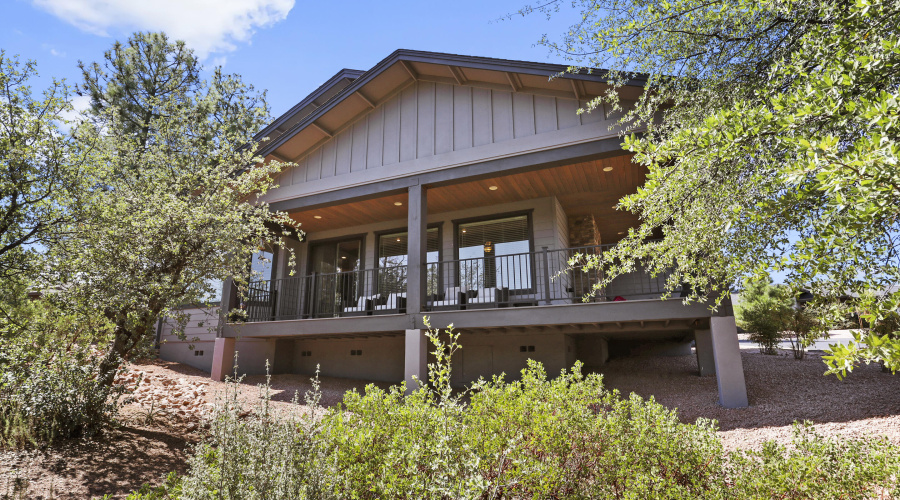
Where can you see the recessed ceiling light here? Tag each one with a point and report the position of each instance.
(398, 203)
(615, 207)
(343, 256)
(398, 239)
(493, 188)
(621, 232)
(464, 230)
(607, 169)
(317, 216)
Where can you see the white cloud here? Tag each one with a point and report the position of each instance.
(207, 26)
(79, 103)
(52, 50)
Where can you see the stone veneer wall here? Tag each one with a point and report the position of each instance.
(583, 231)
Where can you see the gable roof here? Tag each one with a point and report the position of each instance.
(315, 99)
(349, 93)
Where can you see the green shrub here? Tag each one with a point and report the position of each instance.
(567, 437)
(815, 467)
(49, 384)
(52, 397)
(258, 454)
(764, 310)
(532, 438)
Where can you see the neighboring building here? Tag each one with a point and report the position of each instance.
(456, 188)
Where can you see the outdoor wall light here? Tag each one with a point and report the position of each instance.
(488, 247)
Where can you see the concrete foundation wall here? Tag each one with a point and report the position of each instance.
(381, 359)
(252, 354)
(180, 352)
(487, 354)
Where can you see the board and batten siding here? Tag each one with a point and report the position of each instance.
(426, 120)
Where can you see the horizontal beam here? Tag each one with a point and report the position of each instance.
(598, 317)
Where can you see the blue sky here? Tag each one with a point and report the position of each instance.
(286, 47)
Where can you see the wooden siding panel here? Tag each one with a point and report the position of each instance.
(359, 145)
(408, 125)
(314, 165)
(299, 172)
(201, 325)
(482, 129)
(544, 114)
(328, 158)
(562, 225)
(523, 115)
(342, 158)
(594, 116)
(443, 119)
(425, 119)
(567, 113)
(391, 131)
(375, 138)
(502, 115)
(462, 117)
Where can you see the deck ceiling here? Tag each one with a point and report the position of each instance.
(582, 188)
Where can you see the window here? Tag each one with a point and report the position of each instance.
(495, 253)
(262, 264)
(392, 248)
(392, 255)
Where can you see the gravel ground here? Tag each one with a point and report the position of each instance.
(780, 390)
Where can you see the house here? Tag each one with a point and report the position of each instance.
(456, 188)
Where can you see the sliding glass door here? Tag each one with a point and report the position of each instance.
(335, 282)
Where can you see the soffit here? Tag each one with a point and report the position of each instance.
(581, 188)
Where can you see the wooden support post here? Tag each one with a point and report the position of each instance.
(416, 249)
(416, 359)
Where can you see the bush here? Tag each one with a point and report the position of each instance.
(49, 383)
(532, 438)
(257, 455)
(817, 468)
(764, 311)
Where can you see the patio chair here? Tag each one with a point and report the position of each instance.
(363, 306)
(484, 298)
(393, 303)
(454, 298)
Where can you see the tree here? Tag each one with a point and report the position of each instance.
(174, 204)
(39, 167)
(763, 311)
(769, 130)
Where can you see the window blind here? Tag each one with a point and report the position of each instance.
(392, 247)
(507, 230)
